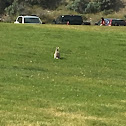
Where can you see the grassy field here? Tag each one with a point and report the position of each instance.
(86, 87)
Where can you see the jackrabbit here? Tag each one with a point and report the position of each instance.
(57, 53)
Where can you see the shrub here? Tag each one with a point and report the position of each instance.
(92, 7)
(12, 9)
(78, 5)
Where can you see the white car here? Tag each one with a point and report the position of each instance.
(28, 20)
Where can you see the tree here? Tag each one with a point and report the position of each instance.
(78, 5)
(50, 4)
(110, 4)
(12, 9)
(4, 4)
(92, 7)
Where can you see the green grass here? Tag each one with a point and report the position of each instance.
(86, 87)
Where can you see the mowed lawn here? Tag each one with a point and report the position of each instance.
(86, 87)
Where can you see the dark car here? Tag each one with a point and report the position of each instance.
(112, 22)
(117, 22)
(69, 19)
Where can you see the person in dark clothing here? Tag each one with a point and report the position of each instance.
(102, 22)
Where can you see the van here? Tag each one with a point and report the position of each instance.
(69, 19)
(28, 20)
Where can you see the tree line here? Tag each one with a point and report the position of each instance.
(94, 6)
(14, 7)
(17, 6)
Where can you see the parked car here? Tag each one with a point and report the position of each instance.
(28, 20)
(69, 19)
(117, 22)
(112, 22)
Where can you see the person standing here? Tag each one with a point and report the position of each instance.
(102, 22)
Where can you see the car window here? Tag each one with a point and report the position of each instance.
(59, 18)
(20, 20)
(31, 20)
(121, 22)
(118, 22)
(72, 18)
(65, 18)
